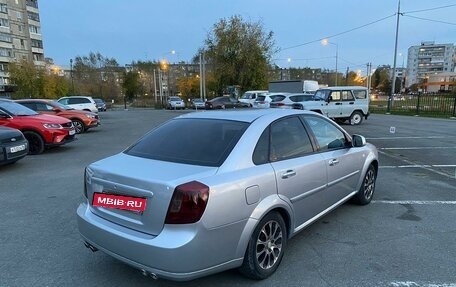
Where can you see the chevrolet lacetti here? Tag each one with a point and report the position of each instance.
(210, 191)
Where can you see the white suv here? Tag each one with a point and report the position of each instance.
(80, 103)
(339, 103)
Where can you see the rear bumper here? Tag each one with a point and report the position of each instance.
(179, 252)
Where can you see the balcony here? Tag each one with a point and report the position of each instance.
(32, 3)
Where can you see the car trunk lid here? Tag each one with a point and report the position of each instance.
(136, 177)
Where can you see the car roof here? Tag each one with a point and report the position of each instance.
(245, 115)
(34, 100)
(344, 88)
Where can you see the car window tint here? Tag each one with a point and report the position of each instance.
(31, 106)
(261, 98)
(335, 95)
(261, 152)
(326, 133)
(289, 139)
(41, 107)
(64, 101)
(204, 142)
(360, 94)
(347, 96)
(278, 98)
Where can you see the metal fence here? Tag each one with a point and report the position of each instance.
(423, 105)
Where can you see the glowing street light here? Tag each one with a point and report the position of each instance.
(325, 42)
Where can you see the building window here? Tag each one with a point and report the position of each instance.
(34, 29)
(4, 52)
(38, 57)
(20, 28)
(6, 38)
(19, 15)
(4, 67)
(33, 16)
(32, 3)
(3, 8)
(4, 22)
(37, 44)
(22, 43)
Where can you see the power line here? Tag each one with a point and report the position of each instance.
(338, 34)
(430, 9)
(431, 20)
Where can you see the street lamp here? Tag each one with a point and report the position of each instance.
(325, 42)
(71, 75)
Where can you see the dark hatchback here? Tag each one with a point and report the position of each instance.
(224, 102)
(13, 145)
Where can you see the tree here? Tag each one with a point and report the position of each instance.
(96, 75)
(36, 82)
(381, 79)
(238, 53)
(131, 85)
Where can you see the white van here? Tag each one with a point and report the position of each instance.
(340, 103)
(250, 96)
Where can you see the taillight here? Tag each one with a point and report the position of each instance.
(188, 203)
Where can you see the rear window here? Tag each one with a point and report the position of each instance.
(301, 98)
(206, 142)
(278, 98)
(261, 98)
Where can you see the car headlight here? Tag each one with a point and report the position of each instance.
(90, 116)
(52, 126)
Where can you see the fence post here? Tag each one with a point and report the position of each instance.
(454, 105)
(418, 104)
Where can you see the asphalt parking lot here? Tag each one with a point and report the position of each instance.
(405, 237)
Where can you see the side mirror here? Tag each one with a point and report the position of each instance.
(358, 141)
(57, 110)
(330, 98)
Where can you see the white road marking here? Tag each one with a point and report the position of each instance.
(416, 202)
(396, 138)
(417, 166)
(418, 147)
(414, 284)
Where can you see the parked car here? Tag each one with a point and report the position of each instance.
(221, 190)
(263, 100)
(197, 103)
(346, 103)
(82, 120)
(250, 96)
(286, 101)
(80, 103)
(41, 131)
(224, 102)
(13, 145)
(100, 104)
(175, 103)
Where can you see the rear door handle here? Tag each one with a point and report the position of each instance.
(338, 104)
(352, 103)
(288, 173)
(333, 162)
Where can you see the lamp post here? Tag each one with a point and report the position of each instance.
(325, 42)
(71, 75)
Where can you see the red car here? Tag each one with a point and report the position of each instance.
(41, 131)
(82, 120)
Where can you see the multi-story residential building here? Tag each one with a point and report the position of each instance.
(20, 37)
(429, 58)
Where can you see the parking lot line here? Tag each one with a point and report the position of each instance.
(396, 138)
(417, 166)
(416, 202)
(418, 147)
(414, 284)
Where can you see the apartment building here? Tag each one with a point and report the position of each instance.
(428, 59)
(20, 37)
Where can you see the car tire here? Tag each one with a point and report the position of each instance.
(78, 126)
(266, 247)
(366, 191)
(356, 118)
(36, 142)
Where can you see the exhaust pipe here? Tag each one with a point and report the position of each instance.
(90, 246)
(147, 274)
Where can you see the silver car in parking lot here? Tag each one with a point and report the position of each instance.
(210, 191)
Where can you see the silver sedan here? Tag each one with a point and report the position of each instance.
(211, 191)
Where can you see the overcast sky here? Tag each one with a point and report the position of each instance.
(131, 30)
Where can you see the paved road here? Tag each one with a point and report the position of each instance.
(406, 237)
